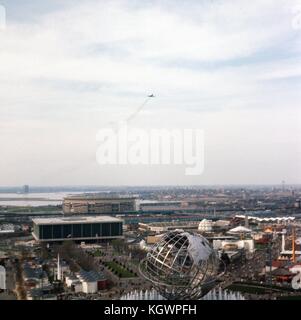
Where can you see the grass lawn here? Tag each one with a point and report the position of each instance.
(260, 246)
(98, 253)
(118, 269)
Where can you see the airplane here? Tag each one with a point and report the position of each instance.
(151, 96)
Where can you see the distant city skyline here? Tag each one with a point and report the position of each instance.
(70, 67)
(130, 188)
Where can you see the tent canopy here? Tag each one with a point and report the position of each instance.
(240, 229)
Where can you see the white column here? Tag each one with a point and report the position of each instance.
(283, 242)
(58, 268)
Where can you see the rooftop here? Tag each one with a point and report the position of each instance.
(33, 273)
(100, 196)
(75, 220)
(171, 223)
(91, 276)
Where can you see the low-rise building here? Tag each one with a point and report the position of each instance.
(77, 228)
(247, 245)
(100, 204)
(87, 281)
(34, 276)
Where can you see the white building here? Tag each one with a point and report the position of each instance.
(205, 225)
(89, 286)
(7, 228)
(240, 230)
(86, 282)
(222, 223)
(70, 280)
(248, 245)
(296, 268)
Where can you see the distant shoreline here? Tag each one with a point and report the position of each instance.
(29, 199)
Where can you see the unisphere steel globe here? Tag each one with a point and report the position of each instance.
(181, 266)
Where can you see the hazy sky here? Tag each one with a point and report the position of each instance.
(231, 68)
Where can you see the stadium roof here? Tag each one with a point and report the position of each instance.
(265, 219)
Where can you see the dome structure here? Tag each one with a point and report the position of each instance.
(239, 229)
(181, 266)
(205, 225)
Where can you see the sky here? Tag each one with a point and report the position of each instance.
(229, 68)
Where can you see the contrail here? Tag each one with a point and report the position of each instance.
(131, 117)
(135, 113)
(114, 124)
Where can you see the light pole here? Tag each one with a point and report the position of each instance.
(269, 261)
